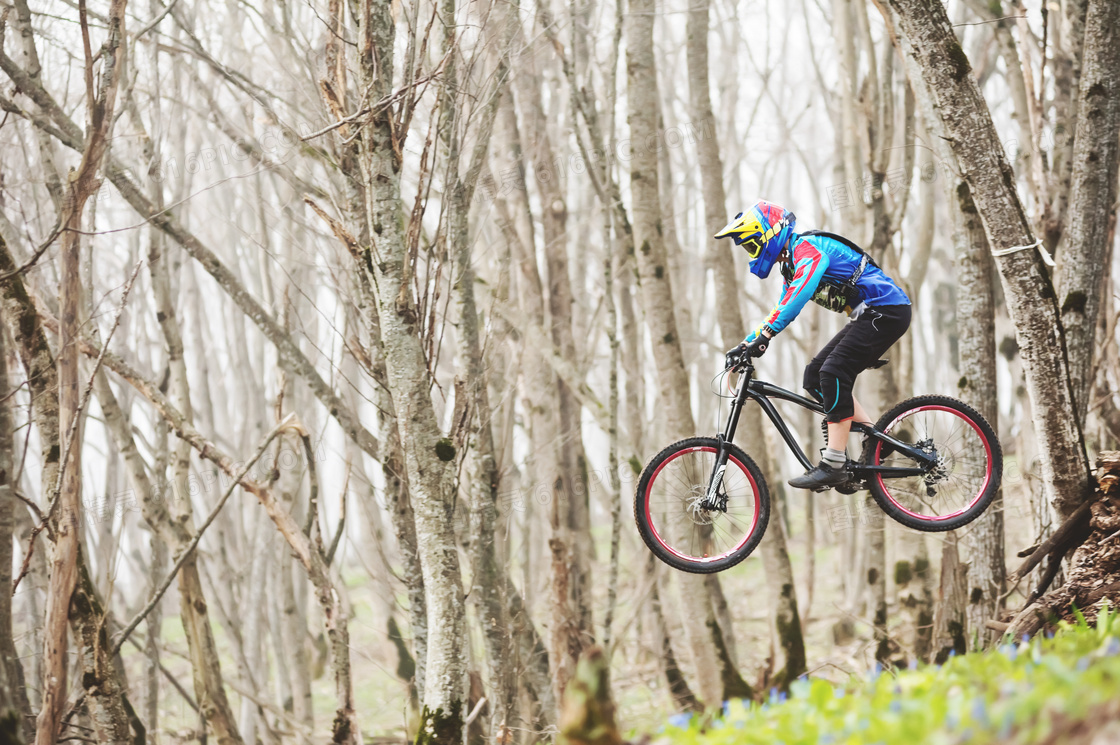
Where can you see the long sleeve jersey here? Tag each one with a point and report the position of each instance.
(820, 261)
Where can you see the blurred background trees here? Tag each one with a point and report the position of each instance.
(423, 285)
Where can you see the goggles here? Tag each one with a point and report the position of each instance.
(753, 244)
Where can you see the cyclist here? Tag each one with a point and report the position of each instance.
(837, 274)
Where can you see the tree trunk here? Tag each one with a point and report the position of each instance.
(984, 541)
(1087, 245)
(489, 582)
(203, 648)
(787, 644)
(657, 297)
(1030, 294)
(570, 542)
(397, 499)
(427, 451)
(1067, 83)
(876, 547)
(845, 37)
(13, 692)
(64, 555)
(976, 348)
(949, 619)
(679, 690)
(85, 614)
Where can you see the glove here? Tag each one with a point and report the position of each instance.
(732, 357)
(758, 347)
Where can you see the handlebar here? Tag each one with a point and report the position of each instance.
(744, 365)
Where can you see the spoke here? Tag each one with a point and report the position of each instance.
(678, 488)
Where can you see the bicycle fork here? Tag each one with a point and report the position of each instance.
(715, 481)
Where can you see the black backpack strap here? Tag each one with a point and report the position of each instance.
(846, 241)
(864, 260)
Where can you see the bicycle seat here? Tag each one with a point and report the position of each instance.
(877, 365)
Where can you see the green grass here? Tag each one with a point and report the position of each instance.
(1013, 693)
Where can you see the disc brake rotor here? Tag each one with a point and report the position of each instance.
(698, 508)
(941, 468)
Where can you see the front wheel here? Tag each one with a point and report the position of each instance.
(966, 473)
(683, 526)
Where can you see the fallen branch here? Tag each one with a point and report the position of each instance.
(1093, 569)
(1062, 538)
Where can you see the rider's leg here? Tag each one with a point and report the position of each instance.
(838, 431)
(811, 381)
(836, 387)
(838, 434)
(860, 343)
(860, 413)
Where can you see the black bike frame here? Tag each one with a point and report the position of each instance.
(762, 392)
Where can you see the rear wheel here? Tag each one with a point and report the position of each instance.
(678, 522)
(965, 477)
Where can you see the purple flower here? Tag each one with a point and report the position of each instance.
(680, 720)
(980, 710)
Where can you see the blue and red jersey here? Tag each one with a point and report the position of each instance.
(819, 260)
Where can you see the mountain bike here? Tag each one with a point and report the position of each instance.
(702, 505)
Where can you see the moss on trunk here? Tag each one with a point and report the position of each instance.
(9, 728)
(587, 712)
(733, 684)
(441, 727)
(790, 638)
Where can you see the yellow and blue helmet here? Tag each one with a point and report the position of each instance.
(763, 231)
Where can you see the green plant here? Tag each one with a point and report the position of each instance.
(1012, 693)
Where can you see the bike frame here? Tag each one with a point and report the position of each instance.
(761, 392)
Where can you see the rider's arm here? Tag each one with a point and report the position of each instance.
(808, 270)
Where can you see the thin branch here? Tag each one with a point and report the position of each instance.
(72, 433)
(379, 106)
(30, 504)
(155, 21)
(989, 20)
(189, 550)
(329, 558)
(57, 231)
(53, 502)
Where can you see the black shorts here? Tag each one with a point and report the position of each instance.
(832, 373)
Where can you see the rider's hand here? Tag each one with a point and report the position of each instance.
(732, 357)
(758, 347)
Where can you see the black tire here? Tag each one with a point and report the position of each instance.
(889, 492)
(659, 544)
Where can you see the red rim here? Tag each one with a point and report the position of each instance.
(987, 473)
(703, 559)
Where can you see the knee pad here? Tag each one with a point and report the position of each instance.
(811, 381)
(836, 390)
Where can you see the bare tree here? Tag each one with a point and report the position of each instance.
(1096, 153)
(1030, 295)
(427, 452)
